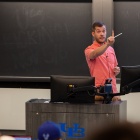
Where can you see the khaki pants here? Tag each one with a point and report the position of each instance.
(99, 98)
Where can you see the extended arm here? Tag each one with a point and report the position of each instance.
(102, 49)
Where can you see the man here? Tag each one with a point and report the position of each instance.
(101, 58)
(49, 131)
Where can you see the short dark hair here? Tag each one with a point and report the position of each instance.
(97, 24)
(120, 131)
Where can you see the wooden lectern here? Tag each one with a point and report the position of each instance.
(74, 119)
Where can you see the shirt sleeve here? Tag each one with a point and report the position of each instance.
(87, 52)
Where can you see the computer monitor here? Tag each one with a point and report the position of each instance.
(60, 88)
(130, 79)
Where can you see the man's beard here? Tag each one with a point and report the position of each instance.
(99, 41)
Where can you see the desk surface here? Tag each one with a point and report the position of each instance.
(48, 101)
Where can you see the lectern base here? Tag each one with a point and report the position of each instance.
(73, 119)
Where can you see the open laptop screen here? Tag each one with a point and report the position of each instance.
(22, 137)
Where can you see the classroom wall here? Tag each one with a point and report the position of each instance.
(12, 105)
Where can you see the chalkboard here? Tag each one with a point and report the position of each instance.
(44, 38)
(127, 21)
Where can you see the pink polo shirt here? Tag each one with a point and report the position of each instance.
(102, 67)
